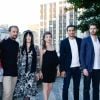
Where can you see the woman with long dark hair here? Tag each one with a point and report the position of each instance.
(49, 61)
(26, 83)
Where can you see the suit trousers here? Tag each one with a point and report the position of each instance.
(95, 77)
(75, 73)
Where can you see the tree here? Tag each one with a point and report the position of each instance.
(91, 13)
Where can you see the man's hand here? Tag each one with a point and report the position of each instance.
(63, 74)
(85, 72)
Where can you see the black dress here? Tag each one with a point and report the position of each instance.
(49, 66)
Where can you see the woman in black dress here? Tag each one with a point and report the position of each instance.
(49, 61)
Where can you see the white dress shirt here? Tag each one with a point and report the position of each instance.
(96, 45)
(75, 54)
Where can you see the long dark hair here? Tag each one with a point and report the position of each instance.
(44, 42)
(24, 46)
(32, 48)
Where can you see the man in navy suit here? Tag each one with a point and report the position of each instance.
(90, 62)
(70, 62)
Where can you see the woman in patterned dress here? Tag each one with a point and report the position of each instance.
(26, 82)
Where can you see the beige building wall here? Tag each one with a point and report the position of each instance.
(53, 18)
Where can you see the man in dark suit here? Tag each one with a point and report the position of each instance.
(90, 62)
(70, 62)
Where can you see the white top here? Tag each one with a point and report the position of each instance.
(75, 54)
(96, 45)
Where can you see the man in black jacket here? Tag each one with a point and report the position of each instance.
(70, 62)
(9, 54)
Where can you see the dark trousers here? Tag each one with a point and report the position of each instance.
(95, 77)
(75, 73)
(1, 90)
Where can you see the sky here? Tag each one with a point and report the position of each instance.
(19, 11)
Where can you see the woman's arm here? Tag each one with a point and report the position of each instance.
(42, 51)
(38, 59)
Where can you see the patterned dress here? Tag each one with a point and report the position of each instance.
(26, 82)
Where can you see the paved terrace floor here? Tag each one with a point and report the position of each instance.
(56, 93)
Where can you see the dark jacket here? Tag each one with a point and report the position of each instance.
(87, 54)
(26, 54)
(66, 54)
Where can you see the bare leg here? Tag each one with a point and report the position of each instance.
(45, 91)
(49, 89)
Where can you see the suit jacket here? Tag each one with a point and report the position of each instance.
(66, 54)
(87, 54)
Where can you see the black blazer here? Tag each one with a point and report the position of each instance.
(66, 54)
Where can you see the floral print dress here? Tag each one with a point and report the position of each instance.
(26, 82)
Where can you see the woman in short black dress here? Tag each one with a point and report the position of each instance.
(49, 62)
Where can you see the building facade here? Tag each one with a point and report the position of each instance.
(3, 32)
(53, 18)
(35, 28)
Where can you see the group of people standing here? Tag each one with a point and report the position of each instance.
(76, 55)
(23, 66)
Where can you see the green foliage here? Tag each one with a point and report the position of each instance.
(83, 3)
(91, 12)
(91, 15)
